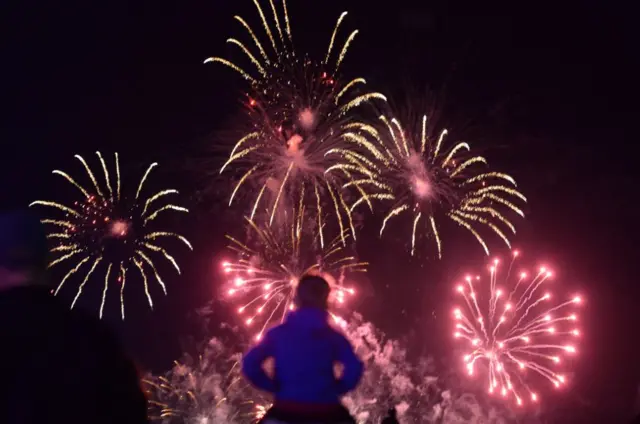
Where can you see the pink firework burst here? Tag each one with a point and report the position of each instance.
(264, 277)
(515, 330)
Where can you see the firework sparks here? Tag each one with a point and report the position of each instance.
(179, 399)
(193, 397)
(204, 389)
(264, 278)
(105, 232)
(417, 175)
(304, 142)
(261, 411)
(516, 329)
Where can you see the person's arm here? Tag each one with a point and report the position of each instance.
(352, 366)
(252, 365)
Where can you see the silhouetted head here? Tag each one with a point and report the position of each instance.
(313, 292)
(392, 412)
(23, 248)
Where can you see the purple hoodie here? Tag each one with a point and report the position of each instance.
(305, 348)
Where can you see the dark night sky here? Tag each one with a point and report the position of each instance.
(543, 88)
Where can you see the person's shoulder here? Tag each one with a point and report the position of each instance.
(87, 329)
(276, 332)
(337, 335)
(71, 336)
(336, 331)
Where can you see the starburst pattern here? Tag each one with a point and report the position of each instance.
(264, 277)
(516, 329)
(109, 234)
(304, 141)
(417, 175)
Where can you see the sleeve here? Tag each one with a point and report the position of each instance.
(252, 364)
(353, 366)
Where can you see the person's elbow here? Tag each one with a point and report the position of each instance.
(251, 367)
(352, 374)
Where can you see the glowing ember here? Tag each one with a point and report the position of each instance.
(421, 187)
(119, 228)
(307, 119)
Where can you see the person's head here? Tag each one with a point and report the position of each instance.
(313, 292)
(23, 249)
(392, 412)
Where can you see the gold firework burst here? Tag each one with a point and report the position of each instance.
(305, 141)
(105, 232)
(418, 175)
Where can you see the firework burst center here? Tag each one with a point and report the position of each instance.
(119, 228)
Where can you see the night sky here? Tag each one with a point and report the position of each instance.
(542, 89)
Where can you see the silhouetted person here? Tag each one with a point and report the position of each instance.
(391, 418)
(56, 365)
(304, 349)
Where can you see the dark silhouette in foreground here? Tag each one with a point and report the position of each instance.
(304, 349)
(57, 365)
(391, 417)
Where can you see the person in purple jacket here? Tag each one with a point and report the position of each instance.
(305, 349)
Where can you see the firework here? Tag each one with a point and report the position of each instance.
(418, 175)
(516, 329)
(305, 143)
(261, 411)
(206, 389)
(110, 234)
(184, 400)
(265, 276)
(201, 398)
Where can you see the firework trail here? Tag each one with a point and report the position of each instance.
(305, 143)
(516, 329)
(264, 277)
(418, 175)
(109, 234)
